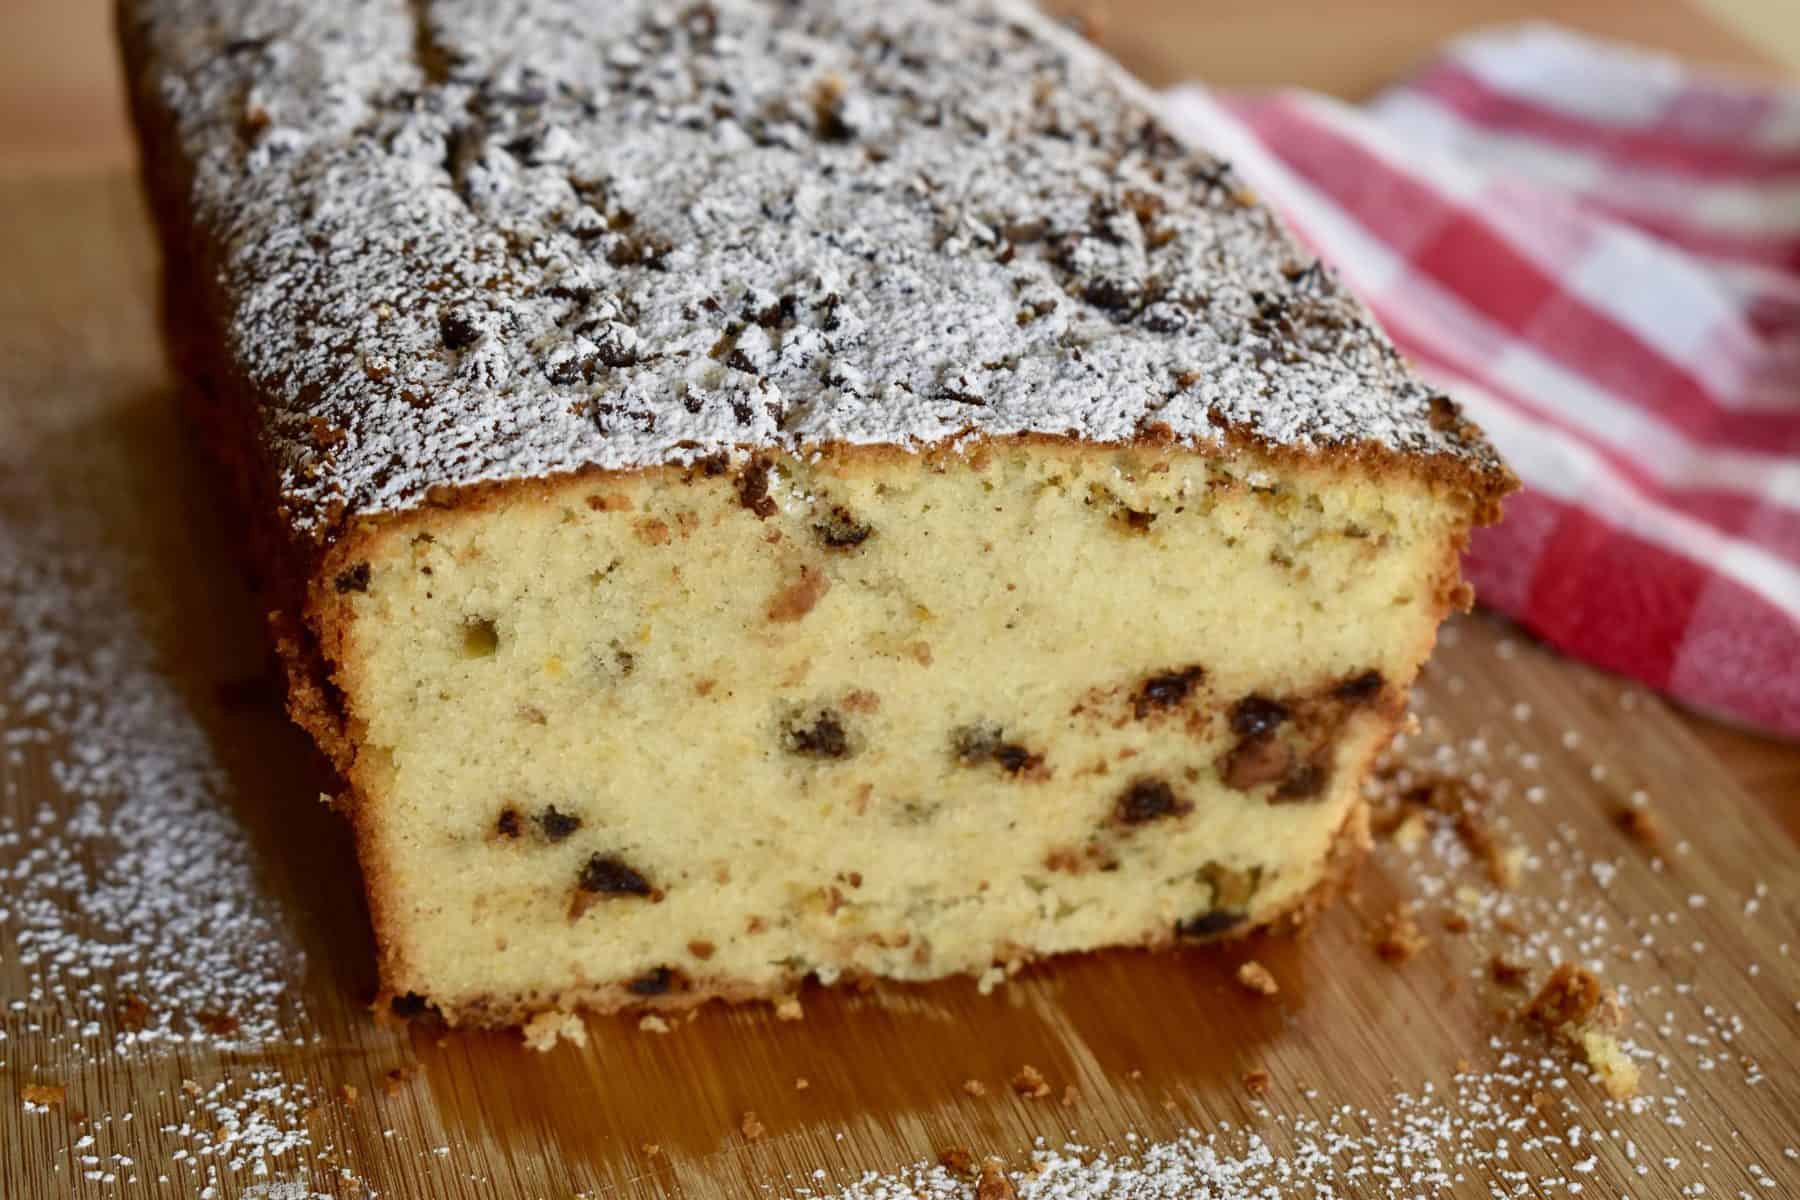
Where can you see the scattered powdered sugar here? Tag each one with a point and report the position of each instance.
(247, 1134)
(459, 242)
(133, 930)
(137, 880)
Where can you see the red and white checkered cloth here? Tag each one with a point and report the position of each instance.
(1597, 251)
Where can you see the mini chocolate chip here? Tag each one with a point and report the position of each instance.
(356, 579)
(1148, 800)
(842, 531)
(1360, 689)
(508, 824)
(613, 352)
(1165, 318)
(977, 744)
(1166, 690)
(1302, 783)
(824, 738)
(1256, 714)
(607, 875)
(557, 825)
(458, 332)
(1111, 293)
(753, 490)
(408, 1006)
(655, 983)
(1139, 521)
(1015, 759)
(564, 369)
(1207, 924)
(829, 118)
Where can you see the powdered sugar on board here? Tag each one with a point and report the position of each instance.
(131, 908)
(134, 933)
(464, 243)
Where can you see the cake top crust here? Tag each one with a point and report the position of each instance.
(460, 242)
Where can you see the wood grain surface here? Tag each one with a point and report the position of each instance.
(1699, 936)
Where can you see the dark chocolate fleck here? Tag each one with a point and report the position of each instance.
(1015, 759)
(842, 531)
(607, 875)
(458, 332)
(1111, 293)
(508, 826)
(1304, 782)
(1207, 924)
(557, 825)
(356, 579)
(653, 983)
(1148, 800)
(824, 738)
(1166, 690)
(1359, 689)
(831, 122)
(1256, 714)
(977, 744)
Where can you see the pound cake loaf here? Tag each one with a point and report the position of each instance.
(779, 488)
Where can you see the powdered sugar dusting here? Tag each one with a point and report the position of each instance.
(138, 882)
(464, 243)
(134, 932)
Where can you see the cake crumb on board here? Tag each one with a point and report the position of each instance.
(43, 1094)
(546, 1029)
(1030, 1083)
(1252, 976)
(993, 1183)
(1397, 938)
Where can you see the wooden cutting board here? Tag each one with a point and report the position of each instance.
(1699, 935)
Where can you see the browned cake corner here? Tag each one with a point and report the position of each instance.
(770, 490)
